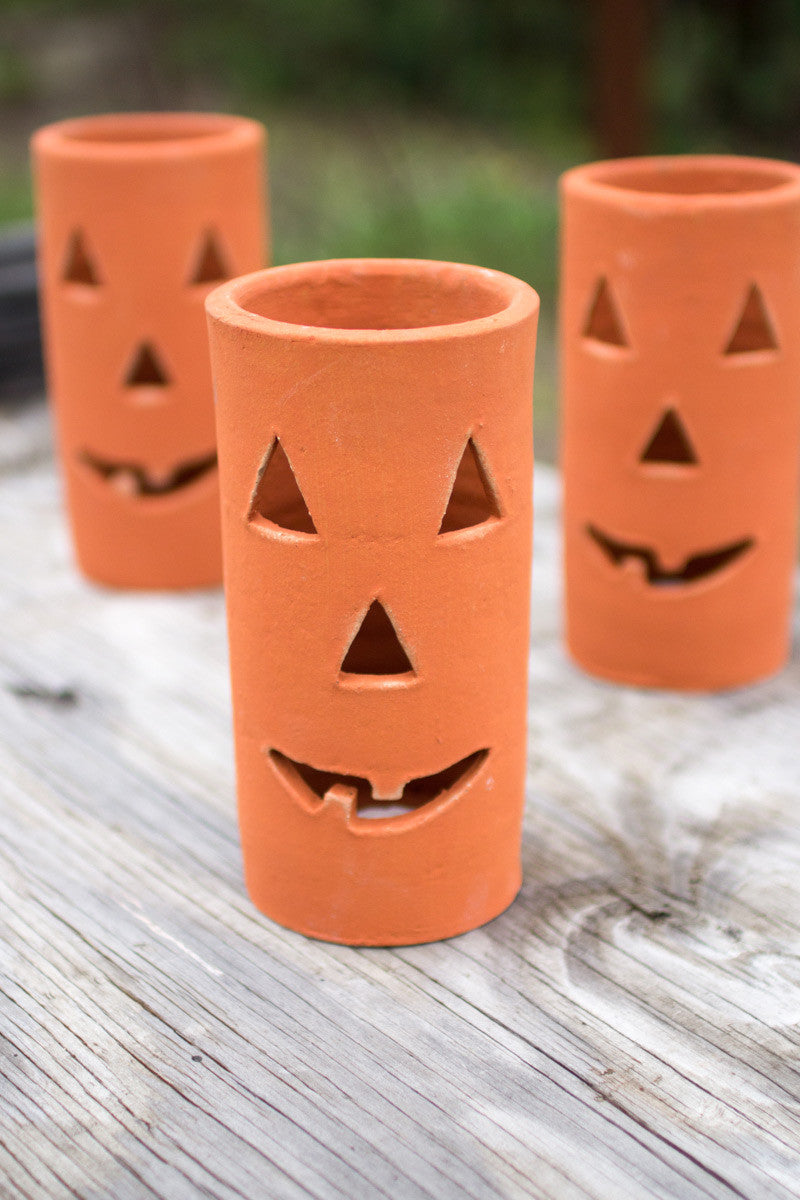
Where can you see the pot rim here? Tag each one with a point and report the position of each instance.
(614, 181)
(516, 300)
(126, 136)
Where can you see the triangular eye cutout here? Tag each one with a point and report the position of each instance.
(79, 266)
(669, 443)
(211, 266)
(277, 497)
(472, 500)
(146, 370)
(603, 323)
(376, 648)
(754, 329)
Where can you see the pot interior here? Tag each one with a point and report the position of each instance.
(699, 178)
(144, 128)
(354, 298)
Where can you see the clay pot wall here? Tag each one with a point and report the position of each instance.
(140, 216)
(374, 431)
(681, 422)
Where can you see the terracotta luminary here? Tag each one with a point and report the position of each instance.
(140, 216)
(374, 431)
(680, 417)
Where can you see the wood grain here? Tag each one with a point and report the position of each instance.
(630, 1028)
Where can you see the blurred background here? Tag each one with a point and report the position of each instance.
(421, 128)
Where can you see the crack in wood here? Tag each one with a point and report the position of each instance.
(63, 697)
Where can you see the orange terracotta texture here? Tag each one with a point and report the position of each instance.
(680, 417)
(375, 442)
(140, 216)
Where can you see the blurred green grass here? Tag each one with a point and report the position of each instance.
(420, 128)
(395, 185)
(15, 196)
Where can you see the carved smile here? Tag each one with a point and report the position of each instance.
(355, 797)
(132, 479)
(696, 567)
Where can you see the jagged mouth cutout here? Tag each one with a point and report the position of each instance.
(694, 569)
(313, 789)
(669, 447)
(133, 480)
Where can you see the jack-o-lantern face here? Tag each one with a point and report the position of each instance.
(376, 521)
(141, 217)
(144, 383)
(680, 422)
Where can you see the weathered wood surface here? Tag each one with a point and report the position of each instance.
(629, 1028)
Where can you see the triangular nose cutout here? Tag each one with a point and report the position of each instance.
(79, 267)
(603, 323)
(146, 369)
(277, 497)
(669, 443)
(472, 500)
(211, 266)
(754, 330)
(376, 648)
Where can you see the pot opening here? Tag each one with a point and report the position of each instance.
(358, 299)
(149, 127)
(671, 178)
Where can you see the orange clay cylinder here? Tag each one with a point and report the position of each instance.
(374, 430)
(680, 420)
(140, 216)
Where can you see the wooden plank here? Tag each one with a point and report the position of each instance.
(629, 1028)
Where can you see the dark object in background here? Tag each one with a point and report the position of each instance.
(621, 48)
(21, 371)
